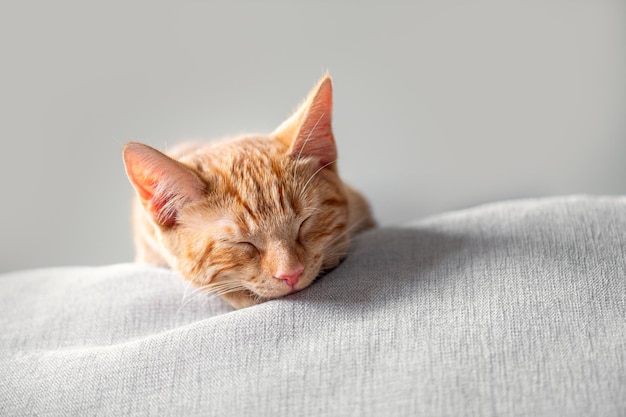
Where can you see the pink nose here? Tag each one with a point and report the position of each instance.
(290, 276)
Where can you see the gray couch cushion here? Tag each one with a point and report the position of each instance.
(514, 309)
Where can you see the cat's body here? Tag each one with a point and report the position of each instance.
(253, 218)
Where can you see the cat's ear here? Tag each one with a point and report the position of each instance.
(162, 184)
(308, 132)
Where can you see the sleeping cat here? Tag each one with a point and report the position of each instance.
(253, 218)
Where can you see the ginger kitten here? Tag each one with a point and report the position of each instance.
(253, 218)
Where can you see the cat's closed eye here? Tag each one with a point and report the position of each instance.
(303, 228)
(249, 247)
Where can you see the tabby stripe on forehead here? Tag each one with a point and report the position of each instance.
(281, 197)
(245, 205)
(234, 191)
(279, 172)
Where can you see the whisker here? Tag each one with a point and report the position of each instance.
(208, 291)
(312, 176)
(187, 287)
(190, 295)
(225, 287)
(197, 293)
(257, 298)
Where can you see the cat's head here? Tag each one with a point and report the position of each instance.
(254, 218)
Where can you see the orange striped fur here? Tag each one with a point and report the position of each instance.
(253, 218)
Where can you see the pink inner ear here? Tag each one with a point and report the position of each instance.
(314, 146)
(315, 136)
(161, 183)
(142, 179)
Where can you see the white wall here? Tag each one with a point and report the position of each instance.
(438, 104)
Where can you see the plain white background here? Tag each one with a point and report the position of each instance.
(439, 105)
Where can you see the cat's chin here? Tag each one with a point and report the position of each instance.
(243, 299)
(278, 292)
(247, 298)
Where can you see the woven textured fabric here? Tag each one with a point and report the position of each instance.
(515, 309)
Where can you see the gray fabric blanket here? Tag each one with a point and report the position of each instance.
(509, 309)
